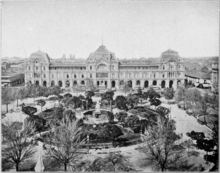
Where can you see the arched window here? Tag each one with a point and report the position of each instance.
(82, 76)
(67, 76)
(163, 67)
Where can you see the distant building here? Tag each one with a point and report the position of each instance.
(12, 79)
(199, 78)
(18, 68)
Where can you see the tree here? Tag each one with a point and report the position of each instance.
(188, 144)
(205, 144)
(90, 86)
(41, 102)
(153, 97)
(169, 93)
(126, 88)
(196, 135)
(67, 95)
(29, 110)
(17, 146)
(180, 95)
(121, 116)
(108, 95)
(7, 96)
(120, 102)
(89, 95)
(64, 143)
(155, 102)
(55, 90)
(113, 162)
(161, 149)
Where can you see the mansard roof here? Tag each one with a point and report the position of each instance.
(140, 61)
(101, 53)
(39, 56)
(68, 62)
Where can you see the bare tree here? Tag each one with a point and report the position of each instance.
(162, 148)
(17, 146)
(64, 143)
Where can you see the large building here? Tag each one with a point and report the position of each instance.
(102, 68)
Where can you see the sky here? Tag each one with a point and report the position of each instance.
(130, 29)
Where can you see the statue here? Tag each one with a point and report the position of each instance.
(97, 107)
(39, 166)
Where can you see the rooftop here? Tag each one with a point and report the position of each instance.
(39, 56)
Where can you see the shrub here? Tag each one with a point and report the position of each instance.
(169, 93)
(27, 165)
(52, 165)
(6, 166)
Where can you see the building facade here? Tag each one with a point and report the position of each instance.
(12, 79)
(102, 68)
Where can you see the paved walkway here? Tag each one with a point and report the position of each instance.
(186, 123)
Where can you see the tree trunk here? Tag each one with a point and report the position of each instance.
(65, 167)
(17, 166)
(6, 108)
(110, 106)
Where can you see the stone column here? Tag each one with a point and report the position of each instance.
(109, 84)
(150, 83)
(133, 83)
(71, 83)
(159, 83)
(167, 83)
(174, 84)
(117, 82)
(64, 83)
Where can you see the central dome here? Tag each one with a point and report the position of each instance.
(101, 53)
(40, 56)
(102, 50)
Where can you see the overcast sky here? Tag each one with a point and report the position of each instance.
(130, 29)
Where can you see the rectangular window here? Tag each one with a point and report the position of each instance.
(44, 75)
(36, 68)
(90, 75)
(29, 68)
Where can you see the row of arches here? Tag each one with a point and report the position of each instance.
(60, 83)
(146, 83)
(113, 83)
